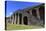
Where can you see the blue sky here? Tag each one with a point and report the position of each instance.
(15, 5)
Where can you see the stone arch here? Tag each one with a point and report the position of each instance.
(25, 20)
(34, 13)
(20, 18)
(41, 11)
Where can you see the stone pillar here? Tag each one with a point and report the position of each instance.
(29, 21)
(7, 21)
(15, 19)
(38, 15)
(22, 20)
(18, 19)
(31, 11)
(12, 19)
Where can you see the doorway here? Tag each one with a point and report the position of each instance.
(34, 12)
(25, 20)
(20, 18)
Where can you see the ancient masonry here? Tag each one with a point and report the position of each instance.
(28, 16)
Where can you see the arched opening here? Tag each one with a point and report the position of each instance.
(20, 18)
(41, 11)
(25, 20)
(34, 13)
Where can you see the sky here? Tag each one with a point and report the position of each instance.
(15, 5)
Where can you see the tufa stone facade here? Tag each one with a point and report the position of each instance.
(28, 16)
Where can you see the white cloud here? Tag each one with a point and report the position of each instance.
(11, 13)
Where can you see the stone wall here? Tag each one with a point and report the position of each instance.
(30, 17)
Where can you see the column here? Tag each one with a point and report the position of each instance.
(29, 19)
(22, 21)
(18, 19)
(12, 19)
(7, 20)
(31, 11)
(15, 19)
(38, 15)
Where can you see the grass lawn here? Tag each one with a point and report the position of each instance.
(21, 27)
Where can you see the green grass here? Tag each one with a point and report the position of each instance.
(21, 27)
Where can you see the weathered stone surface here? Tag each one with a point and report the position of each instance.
(30, 17)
